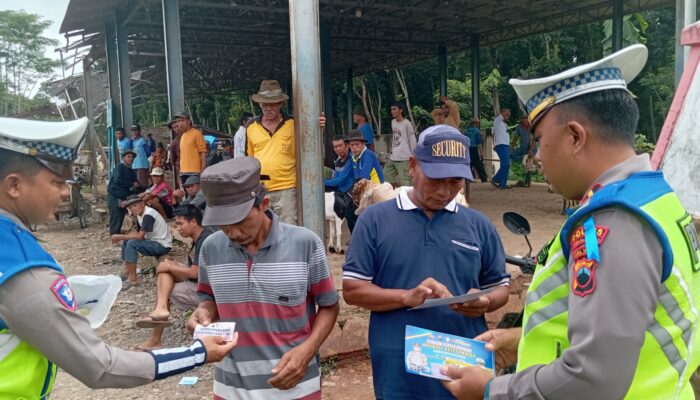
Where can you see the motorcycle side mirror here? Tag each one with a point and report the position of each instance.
(519, 225)
(516, 223)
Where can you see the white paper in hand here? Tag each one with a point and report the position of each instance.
(225, 329)
(451, 300)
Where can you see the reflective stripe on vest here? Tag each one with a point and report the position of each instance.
(669, 354)
(31, 375)
(8, 342)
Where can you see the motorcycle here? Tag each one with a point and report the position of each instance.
(518, 225)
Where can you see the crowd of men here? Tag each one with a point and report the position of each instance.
(610, 312)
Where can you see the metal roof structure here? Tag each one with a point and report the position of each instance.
(234, 44)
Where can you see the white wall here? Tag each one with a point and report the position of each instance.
(681, 165)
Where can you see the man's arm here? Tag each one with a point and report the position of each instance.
(454, 107)
(66, 338)
(250, 149)
(340, 178)
(204, 314)
(367, 295)
(139, 235)
(606, 327)
(293, 365)
(437, 116)
(203, 160)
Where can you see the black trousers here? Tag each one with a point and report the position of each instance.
(350, 216)
(477, 163)
(116, 214)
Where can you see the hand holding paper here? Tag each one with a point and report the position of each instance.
(472, 295)
(428, 289)
(222, 329)
(473, 308)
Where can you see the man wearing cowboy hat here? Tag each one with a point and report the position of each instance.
(270, 139)
(192, 146)
(270, 278)
(40, 327)
(611, 311)
(363, 164)
(359, 117)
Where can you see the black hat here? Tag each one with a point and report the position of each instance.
(355, 135)
(133, 199)
(136, 127)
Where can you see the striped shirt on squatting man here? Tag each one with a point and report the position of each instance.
(272, 297)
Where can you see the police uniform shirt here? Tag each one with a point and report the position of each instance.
(33, 313)
(606, 328)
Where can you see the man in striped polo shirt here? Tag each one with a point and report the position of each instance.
(267, 277)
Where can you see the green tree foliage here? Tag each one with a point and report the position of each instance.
(22, 62)
(529, 57)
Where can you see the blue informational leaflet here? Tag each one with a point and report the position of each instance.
(426, 352)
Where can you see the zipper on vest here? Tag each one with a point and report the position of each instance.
(558, 349)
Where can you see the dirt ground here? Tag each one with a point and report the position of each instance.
(89, 251)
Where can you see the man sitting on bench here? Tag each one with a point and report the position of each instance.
(153, 238)
(176, 281)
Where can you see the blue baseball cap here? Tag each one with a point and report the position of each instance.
(443, 152)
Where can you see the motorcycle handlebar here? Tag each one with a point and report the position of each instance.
(527, 266)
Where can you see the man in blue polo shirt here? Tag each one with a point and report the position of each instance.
(423, 245)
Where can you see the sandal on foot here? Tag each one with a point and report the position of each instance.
(153, 322)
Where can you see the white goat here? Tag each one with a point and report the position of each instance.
(335, 226)
(366, 193)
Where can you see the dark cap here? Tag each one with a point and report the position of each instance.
(359, 111)
(182, 114)
(230, 188)
(135, 127)
(355, 135)
(133, 199)
(127, 151)
(443, 152)
(191, 180)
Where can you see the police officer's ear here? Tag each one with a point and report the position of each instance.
(10, 185)
(578, 136)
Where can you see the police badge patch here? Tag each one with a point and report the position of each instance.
(583, 283)
(62, 290)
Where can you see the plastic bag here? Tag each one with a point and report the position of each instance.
(95, 296)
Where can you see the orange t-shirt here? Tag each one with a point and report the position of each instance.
(192, 144)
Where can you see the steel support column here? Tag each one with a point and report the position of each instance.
(327, 85)
(442, 67)
(306, 81)
(617, 21)
(124, 71)
(113, 77)
(686, 14)
(173, 56)
(476, 111)
(348, 98)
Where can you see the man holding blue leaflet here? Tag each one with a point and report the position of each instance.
(432, 248)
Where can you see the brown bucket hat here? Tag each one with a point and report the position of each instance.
(355, 135)
(230, 188)
(270, 92)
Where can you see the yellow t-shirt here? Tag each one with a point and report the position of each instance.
(276, 153)
(192, 144)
